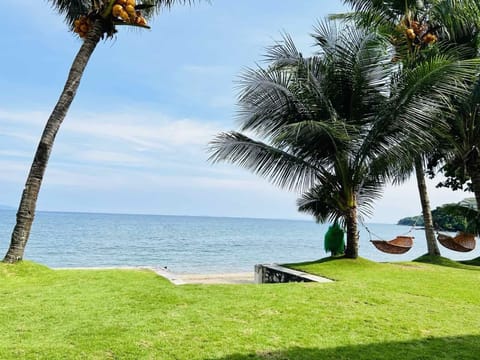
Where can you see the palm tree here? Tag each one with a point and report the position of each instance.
(336, 124)
(419, 30)
(99, 19)
(458, 157)
(460, 147)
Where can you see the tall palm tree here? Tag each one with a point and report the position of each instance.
(461, 146)
(335, 124)
(459, 155)
(419, 30)
(101, 20)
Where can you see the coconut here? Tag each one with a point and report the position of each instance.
(124, 16)
(117, 10)
(410, 34)
(140, 20)
(130, 9)
(429, 38)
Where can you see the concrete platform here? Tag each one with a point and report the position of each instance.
(274, 273)
(271, 273)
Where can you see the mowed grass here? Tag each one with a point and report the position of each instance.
(373, 311)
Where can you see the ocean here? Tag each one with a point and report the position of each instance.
(186, 244)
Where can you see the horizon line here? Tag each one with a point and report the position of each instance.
(11, 208)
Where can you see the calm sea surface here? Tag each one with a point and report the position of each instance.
(187, 244)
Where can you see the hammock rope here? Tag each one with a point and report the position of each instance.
(370, 233)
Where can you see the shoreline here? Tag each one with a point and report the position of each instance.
(181, 279)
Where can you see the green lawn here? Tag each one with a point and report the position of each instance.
(373, 311)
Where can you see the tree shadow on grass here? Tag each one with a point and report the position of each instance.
(445, 348)
(442, 261)
(472, 262)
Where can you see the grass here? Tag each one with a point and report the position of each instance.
(439, 260)
(373, 311)
(473, 262)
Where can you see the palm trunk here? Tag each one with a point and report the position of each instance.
(473, 168)
(427, 213)
(26, 209)
(352, 233)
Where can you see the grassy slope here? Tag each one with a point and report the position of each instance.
(407, 311)
(474, 262)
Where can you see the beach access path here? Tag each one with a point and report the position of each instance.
(280, 274)
(182, 279)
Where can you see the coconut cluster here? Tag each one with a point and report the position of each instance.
(82, 25)
(418, 31)
(125, 10)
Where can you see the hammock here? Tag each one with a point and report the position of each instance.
(462, 242)
(399, 245)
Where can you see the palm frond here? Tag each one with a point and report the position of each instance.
(158, 6)
(375, 13)
(358, 67)
(324, 203)
(277, 166)
(314, 140)
(428, 89)
(326, 35)
(419, 100)
(266, 102)
(461, 29)
(73, 9)
(283, 53)
(370, 190)
(275, 97)
(470, 214)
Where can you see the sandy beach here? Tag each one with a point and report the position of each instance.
(219, 278)
(183, 279)
(225, 278)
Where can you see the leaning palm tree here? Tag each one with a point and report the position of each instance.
(335, 125)
(92, 20)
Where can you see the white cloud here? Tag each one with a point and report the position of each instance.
(26, 138)
(85, 178)
(147, 130)
(205, 182)
(141, 152)
(16, 154)
(13, 171)
(23, 117)
(114, 157)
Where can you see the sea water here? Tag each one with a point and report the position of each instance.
(187, 244)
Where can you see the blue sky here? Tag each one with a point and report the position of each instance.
(134, 140)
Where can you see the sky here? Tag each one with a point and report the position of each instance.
(135, 138)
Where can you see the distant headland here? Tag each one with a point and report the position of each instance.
(442, 219)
